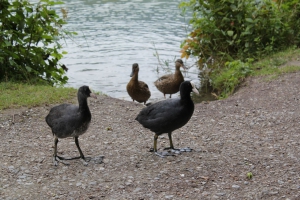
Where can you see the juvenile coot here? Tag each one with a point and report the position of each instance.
(170, 83)
(137, 90)
(67, 120)
(168, 115)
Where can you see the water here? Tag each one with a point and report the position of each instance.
(112, 35)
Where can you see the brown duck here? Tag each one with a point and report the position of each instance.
(170, 83)
(137, 90)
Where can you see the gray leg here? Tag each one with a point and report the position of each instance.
(160, 154)
(56, 158)
(83, 159)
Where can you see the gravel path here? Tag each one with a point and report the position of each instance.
(256, 130)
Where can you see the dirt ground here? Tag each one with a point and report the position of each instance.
(256, 130)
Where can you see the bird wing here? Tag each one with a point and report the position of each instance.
(63, 119)
(164, 77)
(143, 85)
(161, 117)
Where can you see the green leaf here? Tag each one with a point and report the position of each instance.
(230, 33)
(28, 68)
(7, 43)
(249, 20)
(49, 37)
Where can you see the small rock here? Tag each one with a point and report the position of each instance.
(235, 186)
(280, 182)
(78, 184)
(273, 192)
(169, 196)
(128, 183)
(137, 189)
(93, 183)
(205, 193)
(221, 194)
(265, 192)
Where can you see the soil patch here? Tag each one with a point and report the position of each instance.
(256, 130)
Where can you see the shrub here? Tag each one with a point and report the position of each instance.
(232, 74)
(228, 30)
(30, 47)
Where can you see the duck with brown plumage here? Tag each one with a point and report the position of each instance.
(137, 90)
(170, 83)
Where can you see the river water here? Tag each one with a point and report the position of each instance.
(112, 35)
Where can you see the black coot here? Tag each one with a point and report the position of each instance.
(169, 115)
(67, 120)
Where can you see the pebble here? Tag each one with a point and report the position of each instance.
(265, 192)
(273, 192)
(280, 182)
(93, 183)
(221, 194)
(235, 186)
(205, 193)
(137, 189)
(128, 183)
(78, 184)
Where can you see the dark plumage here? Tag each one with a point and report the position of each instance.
(170, 83)
(169, 115)
(67, 120)
(137, 90)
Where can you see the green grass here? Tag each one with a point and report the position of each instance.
(15, 95)
(227, 79)
(273, 65)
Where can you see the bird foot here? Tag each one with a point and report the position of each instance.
(98, 159)
(163, 154)
(57, 159)
(83, 161)
(185, 149)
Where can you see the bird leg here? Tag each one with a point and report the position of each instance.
(56, 158)
(171, 143)
(176, 150)
(83, 159)
(155, 143)
(160, 154)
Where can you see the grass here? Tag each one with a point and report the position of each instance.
(15, 95)
(229, 78)
(273, 64)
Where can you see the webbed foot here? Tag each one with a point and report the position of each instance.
(57, 159)
(185, 149)
(163, 154)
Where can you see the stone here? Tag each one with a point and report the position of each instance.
(235, 186)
